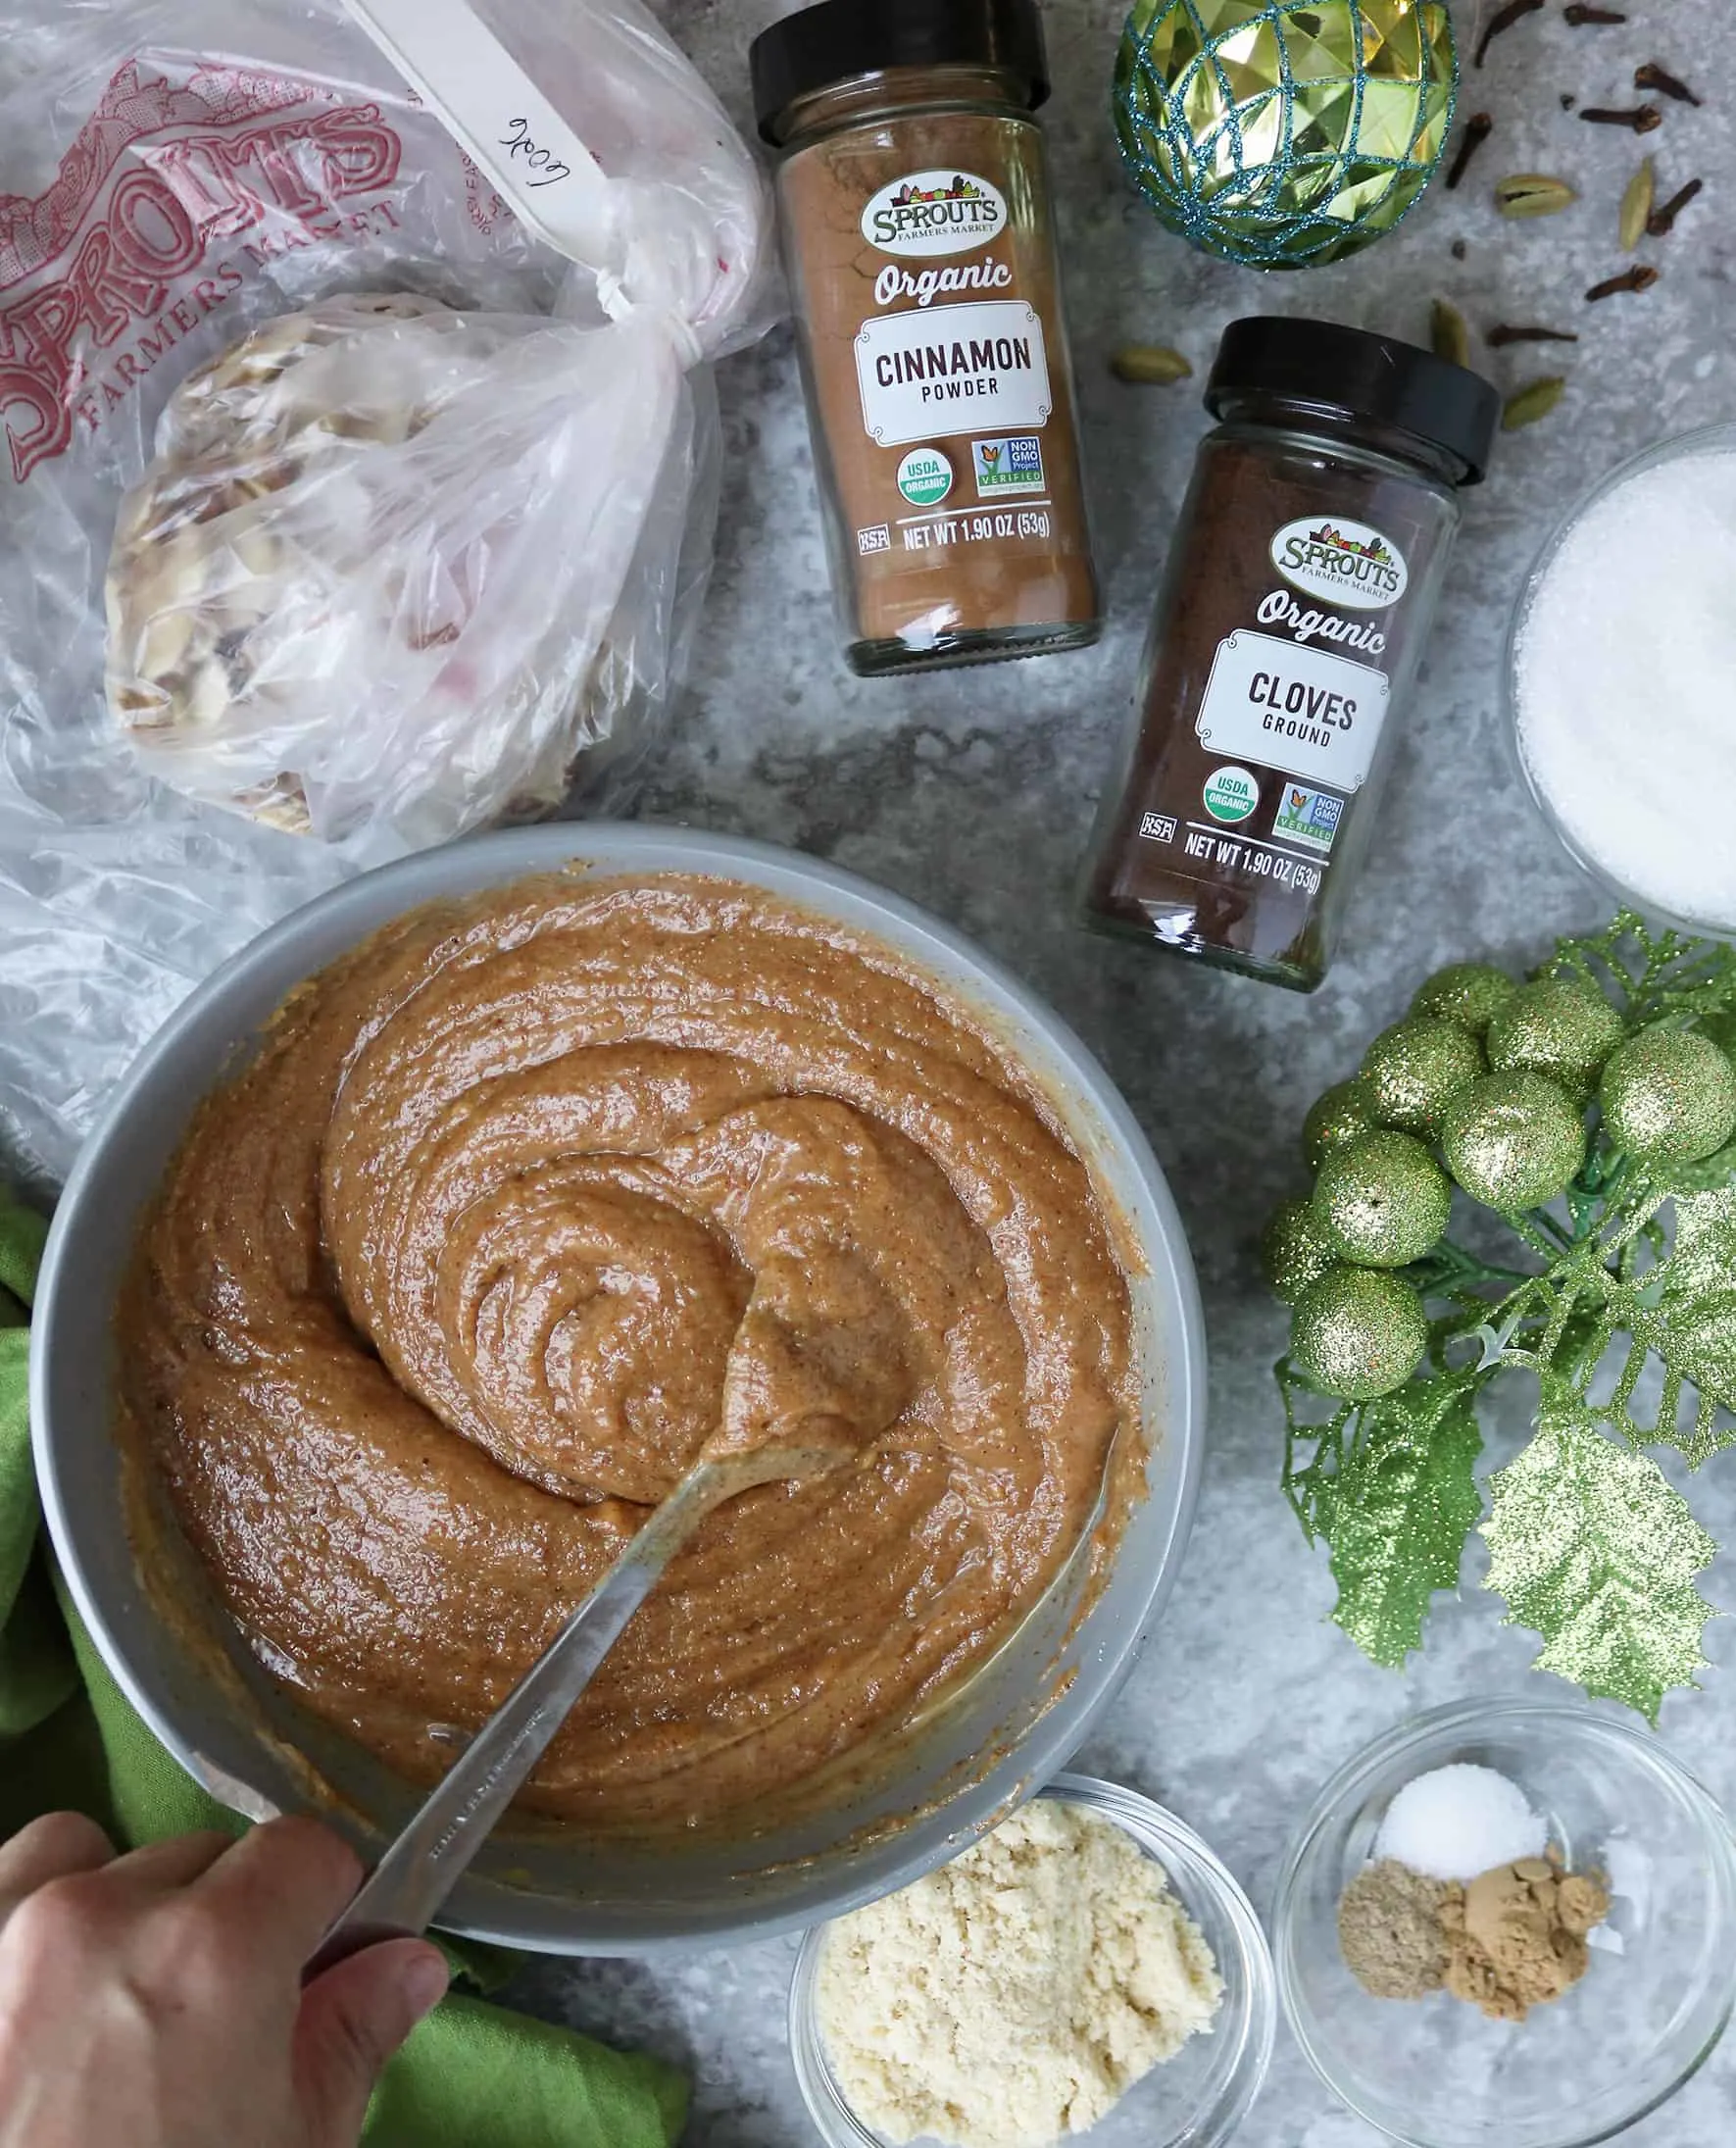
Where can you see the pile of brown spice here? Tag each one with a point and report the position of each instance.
(1512, 1939)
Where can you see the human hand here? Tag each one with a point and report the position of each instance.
(156, 1999)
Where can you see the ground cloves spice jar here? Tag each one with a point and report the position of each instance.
(1302, 580)
(922, 265)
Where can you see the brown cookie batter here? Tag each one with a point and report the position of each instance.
(526, 1200)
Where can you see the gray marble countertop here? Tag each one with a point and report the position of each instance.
(973, 792)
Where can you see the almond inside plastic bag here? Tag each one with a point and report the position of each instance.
(401, 520)
(369, 588)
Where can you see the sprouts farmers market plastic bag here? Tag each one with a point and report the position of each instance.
(414, 512)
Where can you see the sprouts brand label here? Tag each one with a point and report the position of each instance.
(177, 197)
(1230, 794)
(1295, 709)
(935, 213)
(1346, 562)
(952, 368)
(924, 476)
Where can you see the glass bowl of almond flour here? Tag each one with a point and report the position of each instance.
(1661, 1975)
(1197, 2095)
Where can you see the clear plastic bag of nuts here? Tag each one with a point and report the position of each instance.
(363, 587)
(342, 514)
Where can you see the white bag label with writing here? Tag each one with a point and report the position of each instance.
(953, 368)
(1294, 708)
(491, 106)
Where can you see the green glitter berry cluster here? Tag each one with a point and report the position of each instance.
(1593, 1110)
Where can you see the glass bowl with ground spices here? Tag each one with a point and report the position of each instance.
(1088, 1968)
(1507, 1924)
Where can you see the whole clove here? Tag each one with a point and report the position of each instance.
(1505, 18)
(1660, 79)
(1578, 16)
(1505, 333)
(1642, 119)
(1661, 222)
(1477, 129)
(1640, 277)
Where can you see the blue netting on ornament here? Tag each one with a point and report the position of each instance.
(1263, 130)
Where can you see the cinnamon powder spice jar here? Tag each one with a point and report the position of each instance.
(922, 257)
(1302, 581)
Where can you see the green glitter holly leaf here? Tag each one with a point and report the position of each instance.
(1697, 1307)
(1597, 1553)
(1403, 1501)
(1313, 1450)
(1651, 975)
(1679, 1313)
(1711, 1174)
(1703, 1260)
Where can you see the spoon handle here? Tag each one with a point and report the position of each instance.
(407, 1887)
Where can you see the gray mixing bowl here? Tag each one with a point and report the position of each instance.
(240, 1735)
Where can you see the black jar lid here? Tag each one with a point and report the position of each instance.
(843, 38)
(1364, 379)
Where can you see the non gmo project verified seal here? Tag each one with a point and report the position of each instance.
(1012, 463)
(1308, 817)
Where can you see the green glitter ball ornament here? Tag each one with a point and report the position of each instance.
(1343, 1112)
(1383, 1200)
(1296, 1251)
(1359, 1332)
(1414, 1069)
(1668, 1096)
(1283, 132)
(1556, 1028)
(1468, 994)
(1514, 1140)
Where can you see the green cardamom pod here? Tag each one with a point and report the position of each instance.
(1636, 205)
(1448, 334)
(1533, 194)
(1149, 364)
(1532, 402)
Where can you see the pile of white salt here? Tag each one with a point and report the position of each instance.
(1459, 1821)
(1625, 686)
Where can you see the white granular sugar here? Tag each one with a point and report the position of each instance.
(1626, 686)
(1013, 1996)
(1457, 1821)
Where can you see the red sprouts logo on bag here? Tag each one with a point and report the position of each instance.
(170, 196)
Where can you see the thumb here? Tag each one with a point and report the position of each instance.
(352, 2018)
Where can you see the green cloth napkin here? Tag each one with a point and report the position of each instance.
(472, 2075)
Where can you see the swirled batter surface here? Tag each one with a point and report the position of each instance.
(526, 1201)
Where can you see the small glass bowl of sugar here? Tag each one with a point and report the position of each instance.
(1657, 1995)
(1621, 682)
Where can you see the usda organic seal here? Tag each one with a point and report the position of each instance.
(1230, 794)
(924, 476)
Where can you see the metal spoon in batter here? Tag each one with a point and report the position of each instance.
(416, 1874)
